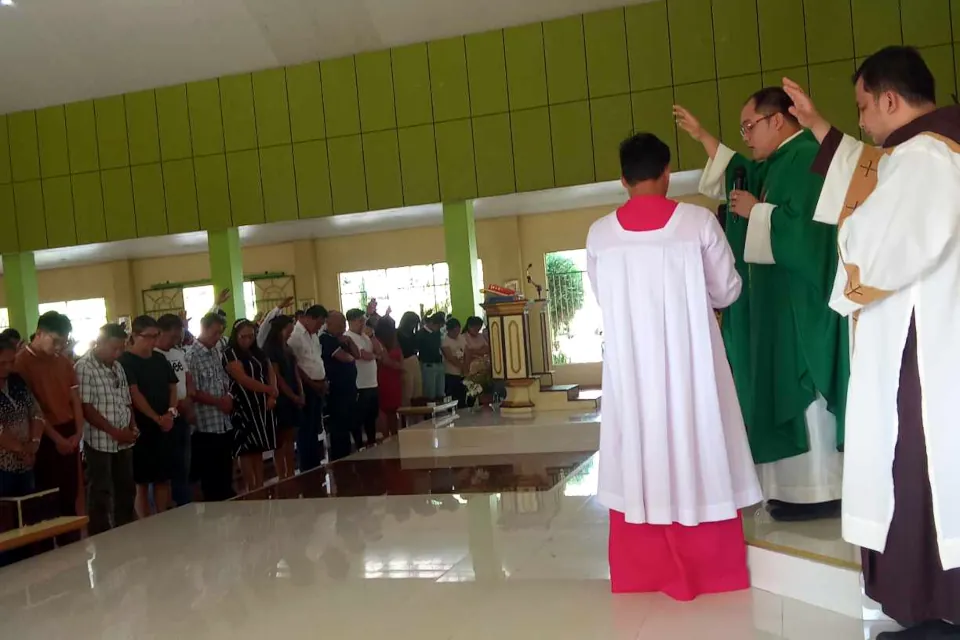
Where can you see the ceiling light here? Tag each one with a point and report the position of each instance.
(7, 3)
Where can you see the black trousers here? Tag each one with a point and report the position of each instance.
(212, 462)
(456, 390)
(55, 471)
(368, 410)
(309, 449)
(110, 489)
(342, 422)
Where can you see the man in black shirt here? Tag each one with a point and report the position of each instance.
(153, 390)
(340, 362)
(429, 339)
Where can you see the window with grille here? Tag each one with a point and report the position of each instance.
(575, 318)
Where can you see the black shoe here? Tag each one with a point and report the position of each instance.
(789, 512)
(935, 630)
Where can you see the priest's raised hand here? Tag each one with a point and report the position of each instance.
(689, 123)
(805, 111)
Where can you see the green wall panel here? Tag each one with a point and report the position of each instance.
(941, 63)
(24, 147)
(213, 192)
(279, 184)
(305, 96)
(237, 111)
(375, 88)
(143, 136)
(381, 159)
(606, 41)
(691, 41)
(5, 176)
(411, 85)
(702, 100)
(81, 137)
(612, 120)
(566, 57)
(526, 68)
(8, 218)
(775, 77)
(829, 26)
(173, 122)
(876, 24)
(572, 142)
(246, 193)
(347, 184)
(58, 212)
(112, 132)
(52, 137)
(487, 73)
(148, 200)
(831, 90)
(313, 179)
(493, 154)
(782, 34)
(118, 211)
(926, 22)
(180, 191)
(341, 107)
(733, 94)
(270, 106)
(652, 114)
(532, 149)
(31, 230)
(455, 161)
(648, 46)
(448, 79)
(418, 165)
(737, 40)
(206, 121)
(955, 17)
(88, 208)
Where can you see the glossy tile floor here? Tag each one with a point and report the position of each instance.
(528, 563)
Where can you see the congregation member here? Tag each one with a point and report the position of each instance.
(675, 464)
(789, 351)
(254, 390)
(305, 344)
(291, 401)
(340, 357)
(52, 379)
(153, 391)
(477, 346)
(897, 207)
(390, 375)
(13, 336)
(171, 336)
(429, 348)
(412, 376)
(212, 442)
(21, 427)
(454, 349)
(109, 432)
(368, 400)
(263, 330)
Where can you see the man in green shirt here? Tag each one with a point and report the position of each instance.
(788, 350)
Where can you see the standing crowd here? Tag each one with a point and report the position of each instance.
(160, 416)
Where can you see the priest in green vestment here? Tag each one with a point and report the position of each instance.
(788, 350)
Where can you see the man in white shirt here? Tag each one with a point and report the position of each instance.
(305, 344)
(171, 334)
(368, 397)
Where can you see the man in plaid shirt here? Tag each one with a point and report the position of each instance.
(109, 432)
(212, 458)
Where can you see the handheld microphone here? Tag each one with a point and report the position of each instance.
(740, 179)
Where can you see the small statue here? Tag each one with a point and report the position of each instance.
(536, 286)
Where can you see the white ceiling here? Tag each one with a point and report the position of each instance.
(601, 194)
(58, 51)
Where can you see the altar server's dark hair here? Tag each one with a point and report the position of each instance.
(643, 156)
(901, 70)
(772, 100)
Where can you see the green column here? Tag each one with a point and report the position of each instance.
(460, 241)
(20, 282)
(226, 270)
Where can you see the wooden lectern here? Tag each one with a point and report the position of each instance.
(511, 354)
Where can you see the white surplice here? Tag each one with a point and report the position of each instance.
(905, 240)
(815, 476)
(673, 447)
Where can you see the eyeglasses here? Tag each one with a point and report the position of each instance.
(748, 127)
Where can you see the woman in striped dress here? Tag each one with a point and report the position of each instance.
(254, 390)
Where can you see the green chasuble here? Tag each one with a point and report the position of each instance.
(785, 345)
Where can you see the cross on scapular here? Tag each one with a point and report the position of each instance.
(867, 168)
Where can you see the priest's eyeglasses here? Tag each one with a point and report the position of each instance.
(748, 127)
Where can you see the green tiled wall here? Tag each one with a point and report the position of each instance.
(519, 109)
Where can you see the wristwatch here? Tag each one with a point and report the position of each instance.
(173, 411)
